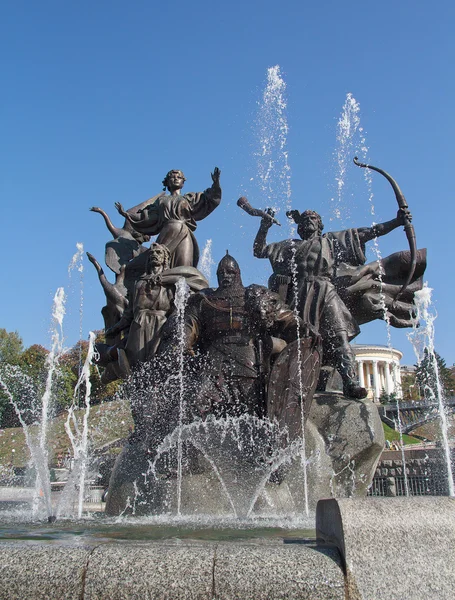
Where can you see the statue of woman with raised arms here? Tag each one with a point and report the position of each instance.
(173, 217)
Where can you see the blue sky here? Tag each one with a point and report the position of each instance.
(99, 100)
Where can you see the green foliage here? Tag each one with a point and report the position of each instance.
(63, 387)
(410, 387)
(11, 347)
(426, 376)
(3, 401)
(72, 362)
(21, 389)
(25, 373)
(33, 360)
(386, 398)
(110, 389)
(26, 382)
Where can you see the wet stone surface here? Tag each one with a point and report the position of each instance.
(170, 569)
(42, 572)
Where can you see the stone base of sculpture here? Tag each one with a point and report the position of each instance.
(344, 440)
(220, 475)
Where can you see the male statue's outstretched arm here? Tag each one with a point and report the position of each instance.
(368, 233)
(260, 241)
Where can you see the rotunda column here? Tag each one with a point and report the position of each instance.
(361, 373)
(376, 383)
(381, 371)
(368, 374)
(390, 387)
(397, 379)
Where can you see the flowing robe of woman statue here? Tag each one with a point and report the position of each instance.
(174, 217)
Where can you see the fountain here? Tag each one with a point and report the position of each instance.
(247, 413)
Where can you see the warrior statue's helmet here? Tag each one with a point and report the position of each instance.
(228, 265)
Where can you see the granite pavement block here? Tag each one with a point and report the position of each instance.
(42, 572)
(394, 548)
(287, 572)
(149, 570)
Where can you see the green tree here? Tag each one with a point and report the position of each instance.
(11, 347)
(33, 362)
(25, 374)
(431, 368)
(410, 387)
(386, 398)
(452, 380)
(73, 361)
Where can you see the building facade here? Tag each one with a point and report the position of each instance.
(378, 370)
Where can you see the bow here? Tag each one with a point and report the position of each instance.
(408, 226)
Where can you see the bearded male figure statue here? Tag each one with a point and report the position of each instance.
(316, 258)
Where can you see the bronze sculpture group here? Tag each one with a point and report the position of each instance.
(257, 350)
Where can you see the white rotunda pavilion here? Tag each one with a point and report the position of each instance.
(378, 369)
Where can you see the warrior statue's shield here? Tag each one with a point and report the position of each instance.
(291, 388)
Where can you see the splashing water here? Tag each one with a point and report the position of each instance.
(422, 339)
(206, 263)
(76, 261)
(52, 360)
(12, 377)
(58, 312)
(348, 130)
(38, 410)
(275, 182)
(351, 138)
(78, 436)
(299, 374)
(242, 451)
(182, 293)
(77, 264)
(272, 129)
(397, 390)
